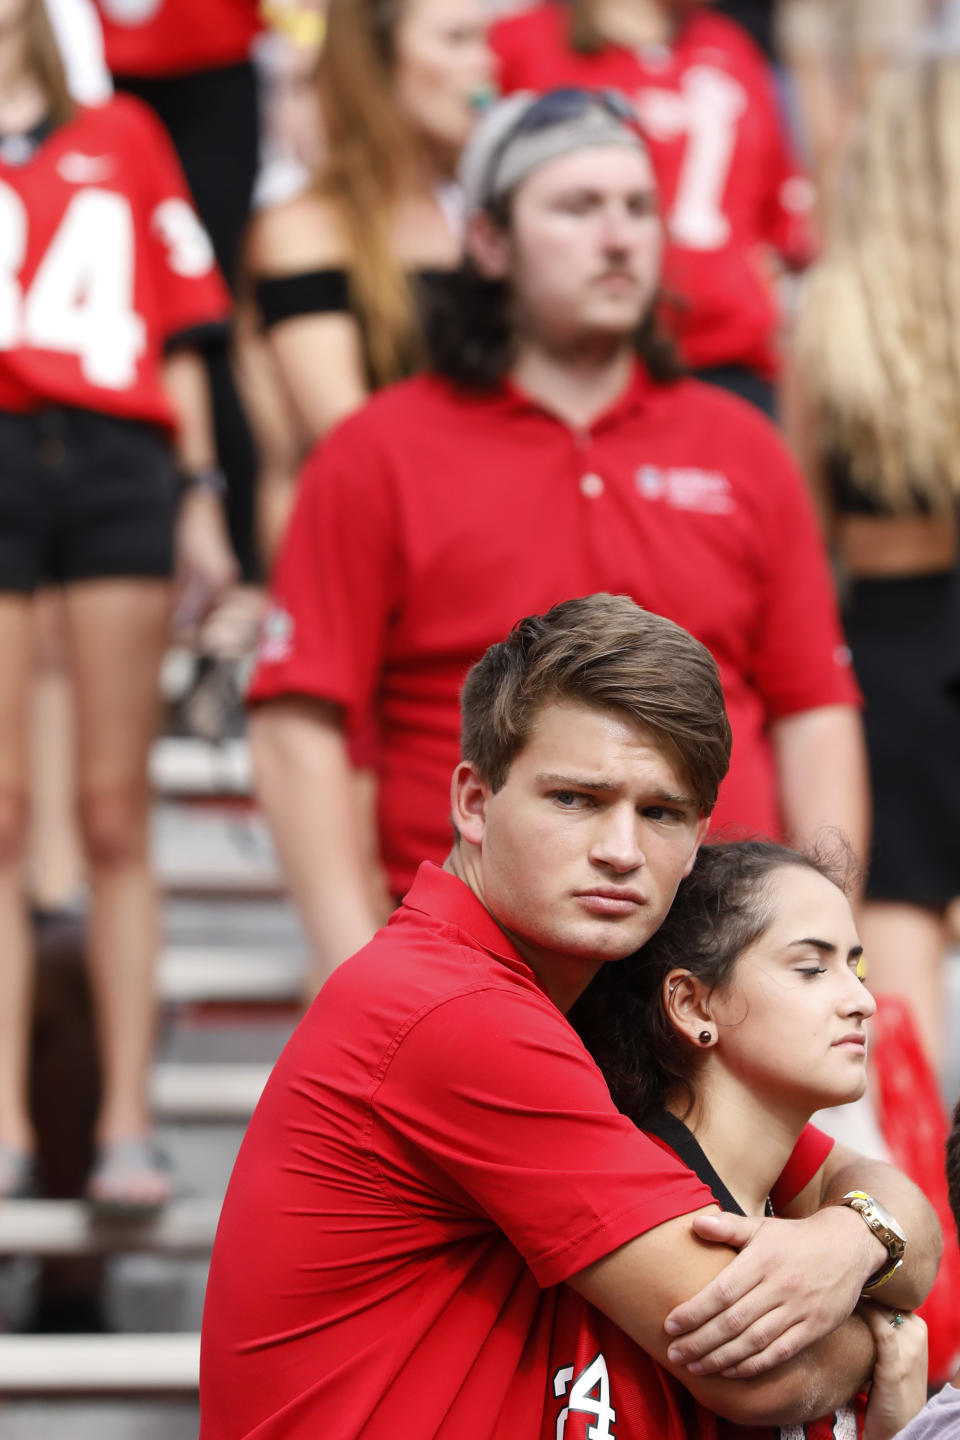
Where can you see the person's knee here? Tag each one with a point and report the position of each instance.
(14, 810)
(113, 823)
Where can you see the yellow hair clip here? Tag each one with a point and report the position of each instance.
(862, 968)
(306, 29)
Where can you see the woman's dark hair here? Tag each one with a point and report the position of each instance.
(471, 337)
(721, 908)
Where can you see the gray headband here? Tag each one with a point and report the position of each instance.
(496, 159)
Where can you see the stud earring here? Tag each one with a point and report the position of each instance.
(705, 1037)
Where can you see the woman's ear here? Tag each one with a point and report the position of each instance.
(687, 1003)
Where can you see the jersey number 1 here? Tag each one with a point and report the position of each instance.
(80, 300)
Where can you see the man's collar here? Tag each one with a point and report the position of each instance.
(443, 896)
(634, 397)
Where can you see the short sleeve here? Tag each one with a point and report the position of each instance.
(801, 659)
(336, 579)
(190, 289)
(809, 1153)
(512, 1117)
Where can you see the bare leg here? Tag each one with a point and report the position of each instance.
(55, 858)
(16, 969)
(118, 631)
(905, 946)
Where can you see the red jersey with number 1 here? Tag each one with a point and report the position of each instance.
(175, 37)
(730, 191)
(102, 259)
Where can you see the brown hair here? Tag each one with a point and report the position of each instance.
(878, 337)
(370, 152)
(604, 651)
(586, 37)
(721, 908)
(43, 57)
(953, 1167)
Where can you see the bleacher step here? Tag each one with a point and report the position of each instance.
(98, 1364)
(195, 974)
(181, 1091)
(68, 1227)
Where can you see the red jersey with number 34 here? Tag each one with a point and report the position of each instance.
(175, 37)
(729, 190)
(102, 260)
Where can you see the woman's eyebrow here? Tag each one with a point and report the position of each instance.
(826, 948)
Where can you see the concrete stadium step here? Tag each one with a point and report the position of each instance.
(194, 974)
(68, 1227)
(98, 1364)
(185, 767)
(181, 1091)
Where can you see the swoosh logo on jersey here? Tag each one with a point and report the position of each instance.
(80, 169)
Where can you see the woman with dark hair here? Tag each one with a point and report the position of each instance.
(734, 204)
(108, 293)
(740, 1017)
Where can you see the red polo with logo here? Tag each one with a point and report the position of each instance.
(731, 193)
(435, 518)
(434, 1152)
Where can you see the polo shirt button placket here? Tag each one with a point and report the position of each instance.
(591, 486)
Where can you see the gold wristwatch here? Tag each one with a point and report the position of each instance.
(886, 1229)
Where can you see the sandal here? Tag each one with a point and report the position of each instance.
(18, 1173)
(130, 1179)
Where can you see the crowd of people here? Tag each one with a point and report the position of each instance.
(389, 323)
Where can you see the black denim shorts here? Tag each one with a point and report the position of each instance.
(83, 496)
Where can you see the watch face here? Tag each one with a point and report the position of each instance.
(882, 1223)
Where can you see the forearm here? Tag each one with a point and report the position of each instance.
(187, 385)
(909, 1287)
(822, 775)
(817, 1382)
(306, 785)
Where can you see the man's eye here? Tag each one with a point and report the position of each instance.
(662, 812)
(813, 970)
(568, 799)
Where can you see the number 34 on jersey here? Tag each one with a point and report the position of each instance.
(102, 260)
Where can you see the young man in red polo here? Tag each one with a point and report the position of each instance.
(554, 450)
(436, 1152)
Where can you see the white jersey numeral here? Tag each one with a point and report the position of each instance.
(189, 248)
(707, 112)
(13, 249)
(131, 12)
(80, 301)
(589, 1394)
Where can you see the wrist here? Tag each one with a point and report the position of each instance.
(208, 481)
(883, 1229)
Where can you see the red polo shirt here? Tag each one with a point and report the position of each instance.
(433, 1147)
(730, 190)
(433, 519)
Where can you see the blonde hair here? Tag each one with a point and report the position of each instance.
(43, 57)
(369, 161)
(878, 336)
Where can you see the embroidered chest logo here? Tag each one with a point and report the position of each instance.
(686, 488)
(587, 1394)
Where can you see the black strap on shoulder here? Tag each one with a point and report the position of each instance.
(311, 292)
(687, 1148)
